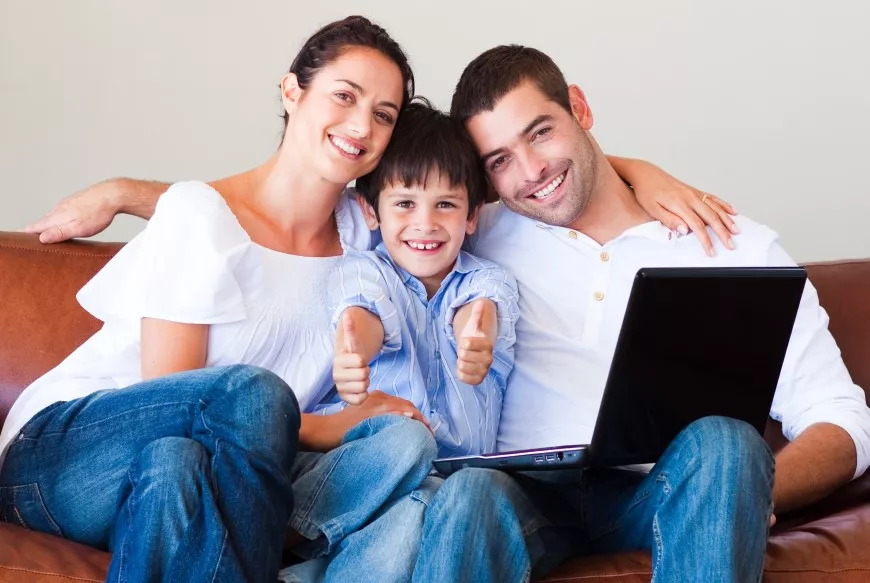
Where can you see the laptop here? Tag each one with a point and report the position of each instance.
(695, 342)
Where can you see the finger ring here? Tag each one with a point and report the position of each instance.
(704, 198)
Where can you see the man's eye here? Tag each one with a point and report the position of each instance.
(543, 132)
(497, 163)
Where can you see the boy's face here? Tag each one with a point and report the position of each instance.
(423, 226)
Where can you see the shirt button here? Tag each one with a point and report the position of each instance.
(605, 256)
(599, 296)
(572, 234)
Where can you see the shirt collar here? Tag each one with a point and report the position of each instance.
(464, 264)
(652, 230)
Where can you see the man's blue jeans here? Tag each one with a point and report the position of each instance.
(361, 505)
(703, 512)
(184, 478)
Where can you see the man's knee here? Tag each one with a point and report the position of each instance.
(730, 445)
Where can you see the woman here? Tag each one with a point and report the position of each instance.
(191, 468)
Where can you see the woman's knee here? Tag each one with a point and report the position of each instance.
(170, 463)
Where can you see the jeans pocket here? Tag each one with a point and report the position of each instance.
(23, 505)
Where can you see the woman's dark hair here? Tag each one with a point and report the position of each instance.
(330, 42)
(426, 140)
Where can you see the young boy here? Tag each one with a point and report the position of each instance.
(418, 317)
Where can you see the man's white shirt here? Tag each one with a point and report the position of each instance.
(573, 296)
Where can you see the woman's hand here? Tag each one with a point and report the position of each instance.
(325, 432)
(677, 205)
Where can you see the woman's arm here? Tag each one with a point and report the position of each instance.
(91, 210)
(676, 204)
(170, 347)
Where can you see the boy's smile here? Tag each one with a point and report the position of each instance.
(423, 226)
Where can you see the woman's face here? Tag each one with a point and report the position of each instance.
(342, 122)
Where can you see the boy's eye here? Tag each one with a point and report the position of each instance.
(446, 205)
(405, 204)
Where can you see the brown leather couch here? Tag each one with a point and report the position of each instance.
(40, 323)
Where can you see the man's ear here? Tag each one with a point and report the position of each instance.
(368, 213)
(580, 107)
(291, 93)
(471, 223)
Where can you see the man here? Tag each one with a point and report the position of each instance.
(573, 235)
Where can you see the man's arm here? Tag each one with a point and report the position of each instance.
(817, 462)
(91, 210)
(823, 413)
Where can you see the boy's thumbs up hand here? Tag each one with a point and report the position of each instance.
(475, 349)
(349, 370)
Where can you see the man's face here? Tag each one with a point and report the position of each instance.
(538, 156)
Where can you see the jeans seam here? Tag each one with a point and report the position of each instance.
(220, 556)
(659, 550)
(103, 421)
(42, 508)
(639, 497)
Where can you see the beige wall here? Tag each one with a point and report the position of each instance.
(764, 103)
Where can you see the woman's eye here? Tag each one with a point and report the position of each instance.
(344, 96)
(385, 117)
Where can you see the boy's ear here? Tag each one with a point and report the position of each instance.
(471, 223)
(368, 213)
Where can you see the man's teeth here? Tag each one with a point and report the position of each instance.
(344, 146)
(423, 246)
(547, 190)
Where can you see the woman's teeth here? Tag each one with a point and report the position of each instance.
(423, 246)
(344, 146)
(548, 190)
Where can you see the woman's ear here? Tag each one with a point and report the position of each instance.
(580, 107)
(368, 212)
(291, 93)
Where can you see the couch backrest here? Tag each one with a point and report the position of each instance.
(41, 322)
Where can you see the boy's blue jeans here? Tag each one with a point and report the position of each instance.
(703, 511)
(362, 504)
(184, 478)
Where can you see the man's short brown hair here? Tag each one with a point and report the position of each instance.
(498, 71)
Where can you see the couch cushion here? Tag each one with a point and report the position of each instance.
(32, 557)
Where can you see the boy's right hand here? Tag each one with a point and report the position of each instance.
(350, 371)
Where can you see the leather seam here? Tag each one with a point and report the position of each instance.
(67, 577)
(53, 252)
(649, 572)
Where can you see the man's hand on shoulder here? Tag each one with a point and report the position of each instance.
(91, 210)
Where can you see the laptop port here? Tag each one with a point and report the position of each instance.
(539, 459)
(551, 457)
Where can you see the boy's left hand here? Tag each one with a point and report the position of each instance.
(475, 349)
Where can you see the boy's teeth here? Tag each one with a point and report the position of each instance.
(345, 146)
(550, 187)
(422, 246)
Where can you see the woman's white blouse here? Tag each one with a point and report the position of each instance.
(195, 264)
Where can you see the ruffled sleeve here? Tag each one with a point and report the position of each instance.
(181, 268)
(359, 282)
